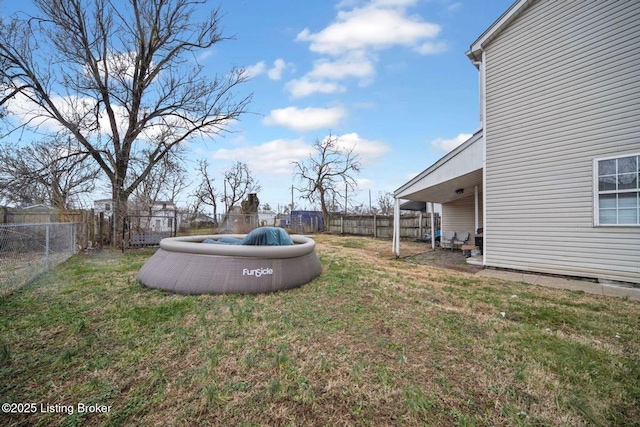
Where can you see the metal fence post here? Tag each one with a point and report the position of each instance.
(46, 250)
(74, 247)
(21, 247)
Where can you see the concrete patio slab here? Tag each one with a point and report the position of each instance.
(619, 291)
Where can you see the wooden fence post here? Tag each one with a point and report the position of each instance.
(375, 226)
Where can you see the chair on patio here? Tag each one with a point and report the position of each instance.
(461, 238)
(446, 239)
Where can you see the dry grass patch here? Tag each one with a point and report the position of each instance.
(372, 341)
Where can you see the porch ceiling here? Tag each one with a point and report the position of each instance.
(446, 191)
(461, 169)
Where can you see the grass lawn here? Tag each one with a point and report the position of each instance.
(373, 341)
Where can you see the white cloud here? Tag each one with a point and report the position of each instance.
(347, 3)
(273, 157)
(454, 7)
(305, 119)
(351, 41)
(366, 184)
(72, 108)
(304, 86)
(397, 3)
(368, 151)
(431, 48)
(379, 25)
(449, 144)
(80, 110)
(255, 69)
(275, 73)
(206, 55)
(354, 64)
(326, 74)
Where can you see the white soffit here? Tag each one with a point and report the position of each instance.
(461, 167)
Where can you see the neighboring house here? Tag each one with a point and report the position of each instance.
(197, 220)
(267, 218)
(553, 174)
(103, 206)
(162, 216)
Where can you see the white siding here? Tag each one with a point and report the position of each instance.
(562, 88)
(460, 214)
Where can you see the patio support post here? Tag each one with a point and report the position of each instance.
(433, 225)
(396, 228)
(477, 210)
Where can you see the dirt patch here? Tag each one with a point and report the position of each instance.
(444, 258)
(412, 252)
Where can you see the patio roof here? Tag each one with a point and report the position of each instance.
(414, 206)
(460, 169)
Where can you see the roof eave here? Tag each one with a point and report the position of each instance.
(476, 135)
(475, 51)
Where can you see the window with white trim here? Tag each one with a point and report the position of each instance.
(618, 191)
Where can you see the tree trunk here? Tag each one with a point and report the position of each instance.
(120, 210)
(325, 211)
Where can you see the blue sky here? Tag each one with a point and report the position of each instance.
(388, 76)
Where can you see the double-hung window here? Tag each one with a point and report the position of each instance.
(617, 191)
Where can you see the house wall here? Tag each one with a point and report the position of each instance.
(460, 215)
(164, 219)
(267, 218)
(99, 206)
(562, 88)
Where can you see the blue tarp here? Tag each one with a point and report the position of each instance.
(263, 236)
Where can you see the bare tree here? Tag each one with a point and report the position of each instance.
(386, 202)
(327, 171)
(50, 171)
(238, 183)
(119, 79)
(206, 193)
(164, 182)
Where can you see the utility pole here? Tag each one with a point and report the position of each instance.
(226, 206)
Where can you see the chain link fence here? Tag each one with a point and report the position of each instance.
(27, 250)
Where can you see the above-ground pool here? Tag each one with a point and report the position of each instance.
(185, 265)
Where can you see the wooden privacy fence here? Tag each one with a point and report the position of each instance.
(411, 226)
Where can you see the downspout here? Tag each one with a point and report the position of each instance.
(482, 81)
(480, 67)
(483, 112)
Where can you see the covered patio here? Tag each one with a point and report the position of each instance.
(456, 182)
